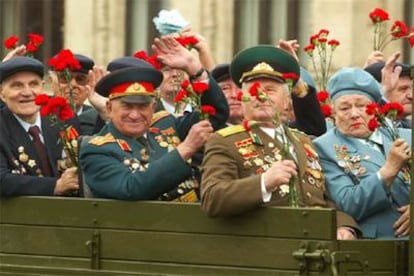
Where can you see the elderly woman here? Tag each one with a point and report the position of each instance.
(364, 168)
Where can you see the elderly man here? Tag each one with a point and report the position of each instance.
(397, 85)
(79, 84)
(143, 155)
(364, 169)
(308, 115)
(29, 148)
(247, 166)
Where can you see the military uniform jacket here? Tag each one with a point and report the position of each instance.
(232, 168)
(19, 170)
(116, 166)
(351, 175)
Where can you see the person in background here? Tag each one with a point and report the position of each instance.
(364, 169)
(396, 80)
(29, 148)
(79, 83)
(250, 165)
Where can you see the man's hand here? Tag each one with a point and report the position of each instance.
(390, 75)
(18, 51)
(290, 46)
(345, 233)
(374, 57)
(96, 100)
(279, 174)
(176, 56)
(196, 138)
(402, 225)
(68, 181)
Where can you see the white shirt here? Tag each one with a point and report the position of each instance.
(26, 125)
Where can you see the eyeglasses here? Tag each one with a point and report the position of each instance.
(80, 78)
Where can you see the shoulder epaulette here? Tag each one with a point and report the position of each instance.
(158, 116)
(101, 140)
(231, 130)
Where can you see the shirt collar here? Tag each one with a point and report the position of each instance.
(26, 125)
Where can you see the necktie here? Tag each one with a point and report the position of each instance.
(41, 150)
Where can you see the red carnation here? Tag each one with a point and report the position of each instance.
(185, 84)
(141, 55)
(180, 96)
(323, 33)
(66, 113)
(393, 107)
(41, 99)
(208, 109)
(309, 47)
(11, 42)
(371, 108)
(314, 39)
(254, 90)
(323, 40)
(373, 124)
(411, 38)
(322, 96)
(200, 87)
(239, 96)
(290, 76)
(399, 29)
(35, 39)
(326, 110)
(31, 48)
(64, 59)
(378, 15)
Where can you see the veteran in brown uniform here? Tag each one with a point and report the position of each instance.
(250, 165)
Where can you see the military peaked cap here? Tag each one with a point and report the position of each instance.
(132, 85)
(263, 61)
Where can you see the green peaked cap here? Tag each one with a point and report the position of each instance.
(262, 61)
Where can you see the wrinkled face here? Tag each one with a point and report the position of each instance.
(403, 94)
(230, 91)
(79, 89)
(350, 116)
(19, 92)
(263, 111)
(131, 119)
(171, 83)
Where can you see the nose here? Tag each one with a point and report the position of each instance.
(135, 113)
(355, 113)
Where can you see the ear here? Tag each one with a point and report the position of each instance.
(1, 93)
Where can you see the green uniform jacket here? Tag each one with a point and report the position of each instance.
(116, 166)
(234, 161)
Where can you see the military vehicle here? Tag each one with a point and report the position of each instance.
(88, 236)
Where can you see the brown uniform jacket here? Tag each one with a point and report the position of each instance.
(234, 161)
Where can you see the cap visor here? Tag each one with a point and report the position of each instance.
(136, 99)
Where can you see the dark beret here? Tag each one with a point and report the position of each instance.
(127, 62)
(375, 70)
(85, 62)
(133, 84)
(20, 64)
(262, 61)
(221, 72)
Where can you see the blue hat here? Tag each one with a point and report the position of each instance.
(349, 81)
(132, 85)
(375, 70)
(221, 72)
(306, 77)
(127, 62)
(20, 64)
(85, 62)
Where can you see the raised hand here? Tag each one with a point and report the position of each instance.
(196, 138)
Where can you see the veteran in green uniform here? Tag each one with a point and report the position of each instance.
(250, 165)
(140, 155)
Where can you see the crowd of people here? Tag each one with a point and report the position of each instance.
(265, 141)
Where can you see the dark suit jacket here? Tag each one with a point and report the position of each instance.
(87, 120)
(309, 117)
(19, 175)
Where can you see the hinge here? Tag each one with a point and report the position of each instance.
(348, 257)
(318, 257)
(94, 246)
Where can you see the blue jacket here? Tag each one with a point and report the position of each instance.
(351, 168)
